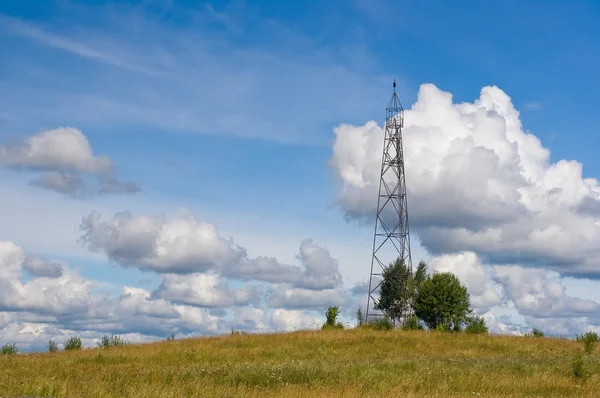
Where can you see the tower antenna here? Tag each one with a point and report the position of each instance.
(391, 240)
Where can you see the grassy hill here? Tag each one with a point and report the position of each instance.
(333, 363)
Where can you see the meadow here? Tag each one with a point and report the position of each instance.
(332, 363)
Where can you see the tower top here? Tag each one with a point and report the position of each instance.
(394, 85)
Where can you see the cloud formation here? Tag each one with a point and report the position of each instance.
(478, 182)
(63, 157)
(184, 245)
(58, 302)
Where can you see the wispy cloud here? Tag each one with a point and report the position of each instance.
(191, 78)
(533, 105)
(31, 31)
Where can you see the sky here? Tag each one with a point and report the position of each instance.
(195, 167)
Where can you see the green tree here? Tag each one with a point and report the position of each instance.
(331, 319)
(396, 290)
(9, 349)
(52, 346)
(442, 302)
(72, 343)
(419, 276)
(475, 324)
(360, 319)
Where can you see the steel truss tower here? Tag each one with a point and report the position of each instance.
(391, 238)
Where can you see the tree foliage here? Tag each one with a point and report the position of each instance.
(52, 346)
(442, 302)
(475, 324)
(72, 343)
(331, 319)
(396, 290)
(360, 319)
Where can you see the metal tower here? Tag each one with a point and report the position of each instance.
(391, 239)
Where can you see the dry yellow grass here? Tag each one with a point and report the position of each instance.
(312, 364)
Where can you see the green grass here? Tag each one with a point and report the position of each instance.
(331, 363)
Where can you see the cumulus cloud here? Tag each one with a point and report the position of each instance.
(53, 301)
(477, 182)
(477, 278)
(533, 293)
(185, 245)
(286, 296)
(537, 292)
(61, 149)
(178, 245)
(205, 290)
(38, 266)
(64, 157)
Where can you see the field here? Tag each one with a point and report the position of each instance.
(359, 362)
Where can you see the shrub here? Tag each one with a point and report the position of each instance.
(331, 319)
(412, 323)
(106, 342)
(589, 340)
(537, 333)
(360, 319)
(384, 324)
(578, 368)
(171, 337)
(475, 324)
(72, 343)
(52, 346)
(442, 300)
(9, 349)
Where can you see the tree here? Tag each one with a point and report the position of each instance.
(475, 324)
(331, 319)
(419, 276)
(359, 317)
(442, 302)
(396, 290)
(52, 346)
(72, 343)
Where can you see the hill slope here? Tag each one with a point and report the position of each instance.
(316, 364)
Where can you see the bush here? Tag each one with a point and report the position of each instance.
(578, 367)
(412, 323)
(171, 337)
(9, 349)
(442, 300)
(360, 319)
(537, 333)
(52, 346)
(475, 324)
(331, 321)
(589, 340)
(384, 324)
(72, 343)
(106, 342)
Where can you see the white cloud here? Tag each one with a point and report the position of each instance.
(286, 296)
(475, 276)
(61, 149)
(184, 245)
(205, 290)
(290, 320)
(177, 245)
(63, 156)
(476, 181)
(58, 302)
(538, 292)
(37, 266)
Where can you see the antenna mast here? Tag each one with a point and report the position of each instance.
(391, 239)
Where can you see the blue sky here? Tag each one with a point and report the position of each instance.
(228, 108)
